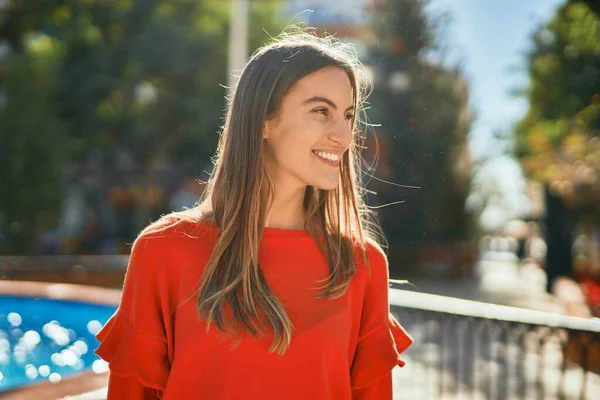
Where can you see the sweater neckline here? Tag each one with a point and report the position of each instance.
(270, 232)
(281, 232)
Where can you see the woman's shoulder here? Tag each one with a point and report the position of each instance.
(171, 246)
(376, 264)
(189, 224)
(175, 233)
(375, 252)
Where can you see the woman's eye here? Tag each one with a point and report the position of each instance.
(325, 112)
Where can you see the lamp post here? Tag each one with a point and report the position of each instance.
(238, 42)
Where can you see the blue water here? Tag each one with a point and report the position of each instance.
(47, 340)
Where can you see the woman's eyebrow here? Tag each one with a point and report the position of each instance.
(320, 99)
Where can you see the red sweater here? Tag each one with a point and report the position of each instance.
(157, 347)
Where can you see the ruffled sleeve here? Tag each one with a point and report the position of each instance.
(381, 339)
(134, 340)
(378, 353)
(132, 353)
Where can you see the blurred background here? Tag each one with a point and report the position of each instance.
(484, 155)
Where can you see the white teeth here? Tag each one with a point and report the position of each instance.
(328, 156)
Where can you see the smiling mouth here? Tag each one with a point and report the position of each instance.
(332, 159)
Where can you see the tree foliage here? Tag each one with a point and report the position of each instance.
(142, 77)
(31, 142)
(423, 111)
(558, 142)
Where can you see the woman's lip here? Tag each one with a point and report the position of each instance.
(328, 162)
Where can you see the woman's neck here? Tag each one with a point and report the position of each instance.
(287, 209)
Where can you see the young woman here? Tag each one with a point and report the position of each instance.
(272, 287)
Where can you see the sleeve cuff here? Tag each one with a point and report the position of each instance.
(378, 352)
(131, 352)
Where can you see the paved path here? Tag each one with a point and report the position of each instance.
(499, 278)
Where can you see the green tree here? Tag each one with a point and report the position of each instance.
(141, 76)
(30, 151)
(424, 117)
(557, 141)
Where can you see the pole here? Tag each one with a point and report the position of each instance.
(238, 42)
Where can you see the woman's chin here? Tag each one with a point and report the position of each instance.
(326, 185)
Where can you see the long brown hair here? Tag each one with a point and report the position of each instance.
(239, 192)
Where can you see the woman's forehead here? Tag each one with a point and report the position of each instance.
(331, 83)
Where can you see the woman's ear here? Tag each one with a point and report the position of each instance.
(267, 127)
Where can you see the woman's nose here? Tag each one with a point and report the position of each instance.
(341, 133)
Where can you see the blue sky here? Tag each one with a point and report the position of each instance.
(490, 38)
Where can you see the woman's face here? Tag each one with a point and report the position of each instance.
(305, 141)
